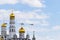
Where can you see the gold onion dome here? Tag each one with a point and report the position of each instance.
(12, 15)
(4, 24)
(21, 30)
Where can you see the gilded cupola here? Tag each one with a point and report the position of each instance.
(12, 16)
(4, 24)
(21, 30)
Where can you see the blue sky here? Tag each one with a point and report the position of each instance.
(44, 14)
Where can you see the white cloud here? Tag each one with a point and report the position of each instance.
(56, 28)
(33, 3)
(8, 1)
(30, 15)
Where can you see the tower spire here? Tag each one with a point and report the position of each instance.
(27, 36)
(33, 35)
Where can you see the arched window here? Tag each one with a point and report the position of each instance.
(12, 30)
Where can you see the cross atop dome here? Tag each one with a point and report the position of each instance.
(12, 14)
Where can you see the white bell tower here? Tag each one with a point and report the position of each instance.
(12, 25)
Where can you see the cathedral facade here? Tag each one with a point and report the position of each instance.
(12, 32)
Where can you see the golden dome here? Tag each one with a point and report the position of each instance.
(21, 30)
(4, 24)
(12, 14)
